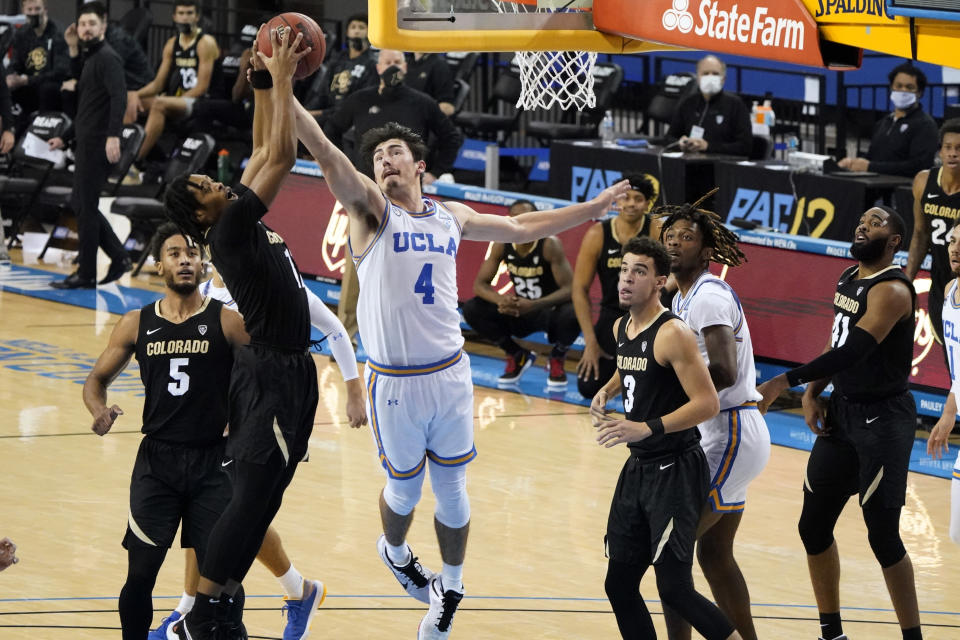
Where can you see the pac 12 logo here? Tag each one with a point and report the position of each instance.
(782, 212)
(587, 182)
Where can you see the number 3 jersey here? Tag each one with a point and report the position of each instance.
(650, 390)
(884, 372)
(185, 369)
(407, 308)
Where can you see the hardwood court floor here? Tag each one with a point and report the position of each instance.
(540, 491)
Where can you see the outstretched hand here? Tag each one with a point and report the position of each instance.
(605, 199)
(283, 63)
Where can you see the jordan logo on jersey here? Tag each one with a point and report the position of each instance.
(406, 241)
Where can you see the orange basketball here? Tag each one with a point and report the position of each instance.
(312, 37)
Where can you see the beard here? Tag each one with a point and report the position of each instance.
(870, 250)
(183, 288)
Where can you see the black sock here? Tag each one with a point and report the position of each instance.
(205, 607)
(912, 634)
(830, 626)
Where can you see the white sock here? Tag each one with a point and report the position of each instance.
(402, 552)
(292, 583)
(186, 603)
(452, 576)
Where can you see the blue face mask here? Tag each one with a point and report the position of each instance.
(903, 99)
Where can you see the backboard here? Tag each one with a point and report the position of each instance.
(477, 25)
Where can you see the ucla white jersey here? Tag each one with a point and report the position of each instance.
(709, 302)
(407, 309)
(951, 338)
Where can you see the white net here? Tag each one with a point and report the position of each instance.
(548, 78)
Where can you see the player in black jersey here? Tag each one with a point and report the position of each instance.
(540, 301)
(184, 344)
(936, 208)
(663, 486)
(865, 436)
(273, 385)
(600, 256)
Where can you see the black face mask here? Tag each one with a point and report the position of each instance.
(34, 20)
(184, 27)
(89, 47)
(392, 76)
(356, 43)
(869, 251)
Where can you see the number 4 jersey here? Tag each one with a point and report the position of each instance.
(185, 369)
(884, 372)
(407, 309)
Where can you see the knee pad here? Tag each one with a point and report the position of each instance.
(883, 533)
(450, 488)
(403, 495)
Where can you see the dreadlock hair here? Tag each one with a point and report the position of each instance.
(715, 234)
(180, 204)
(372, 138)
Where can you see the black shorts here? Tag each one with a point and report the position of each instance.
(171, 483)
(657, 504)
(273, 401)
(867, 451)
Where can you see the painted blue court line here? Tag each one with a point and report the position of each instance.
(786, 429)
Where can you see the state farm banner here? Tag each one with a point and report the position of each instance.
(780, 30)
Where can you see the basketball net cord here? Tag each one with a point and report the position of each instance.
(564, 78)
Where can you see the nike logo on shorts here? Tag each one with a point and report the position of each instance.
(666, 466)
(223, 464)
(869, 420)
(150, 332)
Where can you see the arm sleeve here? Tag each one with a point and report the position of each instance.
(327, 323)
(858, 346)
(116, 86)
(923, 148)
(448, 139)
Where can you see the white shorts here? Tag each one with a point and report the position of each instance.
(420, 412)
(737, 445)
(955, 502)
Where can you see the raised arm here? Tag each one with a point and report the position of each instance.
(358, 194)
(534, 225)
(920, 240)
(262, 117)
(111, 362)
(281, 142)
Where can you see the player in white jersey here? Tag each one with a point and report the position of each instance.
(272, 554)
(937, 443)
(419, 389)
(736, 441)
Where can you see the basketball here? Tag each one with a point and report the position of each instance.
(312, 37)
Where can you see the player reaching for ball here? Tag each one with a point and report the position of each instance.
(273, 384)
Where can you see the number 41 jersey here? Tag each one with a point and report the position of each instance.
(407, 308)
(884, 372)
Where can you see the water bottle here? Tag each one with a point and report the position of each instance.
(769, 116)
(607, 134)
(224, 172)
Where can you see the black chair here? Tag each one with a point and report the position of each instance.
(29, 173)
(671, 89)
(607, 78)
(462, 91)
(761, 148)
(146, 214)
(461, 63)
(487, 124)
(131, 137)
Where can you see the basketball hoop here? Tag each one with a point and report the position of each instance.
(564, 78)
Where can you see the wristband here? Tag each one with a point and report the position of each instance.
(656, 426)
(261, 79)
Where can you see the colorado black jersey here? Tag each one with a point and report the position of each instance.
(184, 67)
(650, 390)
(185, 369)
(941, 211)
(531, 274)
(885, 371)
(259, 271)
